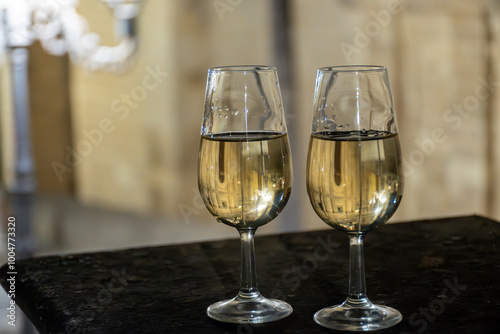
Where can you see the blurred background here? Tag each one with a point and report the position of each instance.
(116, 154)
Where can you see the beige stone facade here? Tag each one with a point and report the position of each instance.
(138, 132)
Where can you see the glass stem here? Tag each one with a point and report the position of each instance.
(357, 284)
(248, 279)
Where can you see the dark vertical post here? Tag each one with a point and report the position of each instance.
(283, 61)
(21, 189)
(489, 71)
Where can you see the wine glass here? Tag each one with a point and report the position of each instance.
(245, 173)
(355, 177)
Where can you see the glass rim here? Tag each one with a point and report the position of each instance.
(242, 68)
(353, 68)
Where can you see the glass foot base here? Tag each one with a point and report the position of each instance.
(253, 310)
(361, 317)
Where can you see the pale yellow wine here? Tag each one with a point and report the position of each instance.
(355, 179)
(245, 178)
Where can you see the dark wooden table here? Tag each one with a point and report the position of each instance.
(442, 275)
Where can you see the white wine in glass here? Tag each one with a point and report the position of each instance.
(245, 173)
(355, 177)
(361, 186)
(251, 180)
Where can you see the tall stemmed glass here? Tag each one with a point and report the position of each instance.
(245, 173)
(354, 177)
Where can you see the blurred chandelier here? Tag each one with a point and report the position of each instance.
(60, 30)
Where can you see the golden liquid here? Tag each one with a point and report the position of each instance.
(245, 179)
(355, 179)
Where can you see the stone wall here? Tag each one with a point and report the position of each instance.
(443, 62)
